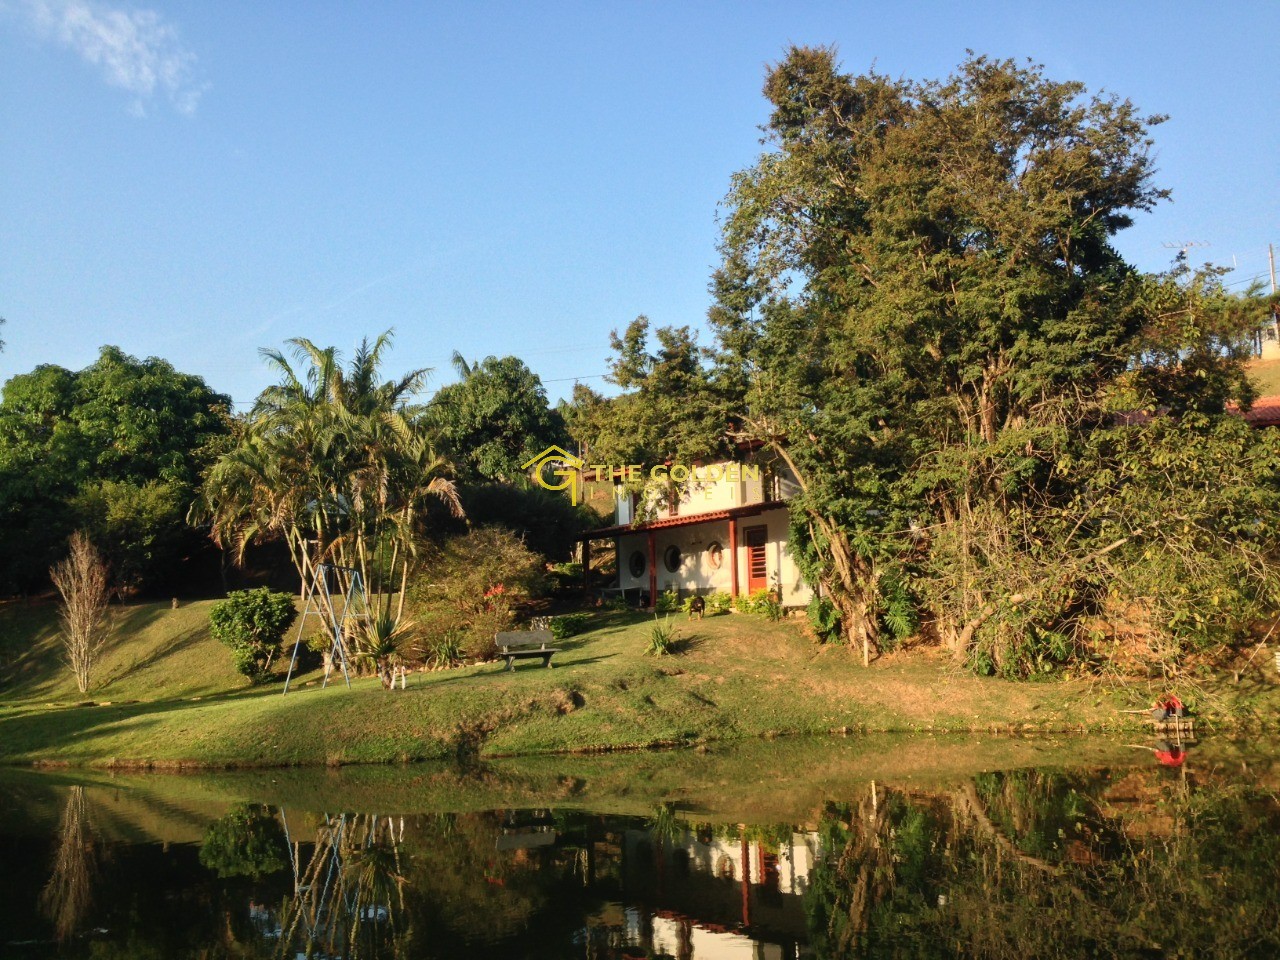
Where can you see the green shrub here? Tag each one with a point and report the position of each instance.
(569, 625)
(824, 618)
(719, 602)
(898, 617)
(668, 602)
(445, 650)
(565, 576)
(470, 587)
(662, 637)
(313, 653)
(253, 624)
(762, 603)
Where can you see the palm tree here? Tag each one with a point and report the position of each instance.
(335, 462)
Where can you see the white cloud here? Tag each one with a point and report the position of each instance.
(135, 49)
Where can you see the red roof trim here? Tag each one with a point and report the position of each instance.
(1265, 412)
(746, 510)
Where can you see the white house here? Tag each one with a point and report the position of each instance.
(721, 527)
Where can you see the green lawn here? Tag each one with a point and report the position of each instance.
(737, 676)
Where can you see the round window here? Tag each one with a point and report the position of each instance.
(715, 556)
(671, 558)
(637, 563)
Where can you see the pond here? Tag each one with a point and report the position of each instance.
(874, 847)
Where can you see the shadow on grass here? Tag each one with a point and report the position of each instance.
(37, 670)
(44, 731)
(168, 649)
(563, 664)
(37, 732)
(130, 620)
(687, 644)
(476, 673)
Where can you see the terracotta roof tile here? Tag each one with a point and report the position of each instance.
(1265, 412)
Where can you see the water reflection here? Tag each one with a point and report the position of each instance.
(68, 895)
(348, 891)
(1154, 860)
(1028, 865)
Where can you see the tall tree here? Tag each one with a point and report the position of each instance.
(115, 449)
(333, 461)
(81, 579)
(494, 419)
(669, 407)
(921, 312)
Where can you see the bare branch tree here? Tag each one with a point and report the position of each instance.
(82, 580)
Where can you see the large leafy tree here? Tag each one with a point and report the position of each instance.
(335, 461)
(116, 449)
(494, 419)
(921, 311)
(669, 406)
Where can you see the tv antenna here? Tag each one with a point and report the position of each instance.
(1184, 246)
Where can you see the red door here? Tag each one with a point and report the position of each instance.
(757, 559)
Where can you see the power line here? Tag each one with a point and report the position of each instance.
(1256, 278)
(588, 376)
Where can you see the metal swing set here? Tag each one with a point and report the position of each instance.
(326, 581)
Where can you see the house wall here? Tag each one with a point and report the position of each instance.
(701, 494)
(696, 572)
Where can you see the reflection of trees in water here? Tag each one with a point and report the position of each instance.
(1024, 864)
(349, 895)
(436, 886)
(1032, 864)
(69, 893)
(247, 842)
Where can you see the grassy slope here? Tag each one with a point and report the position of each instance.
(154, 651)
(737, 677)
(1265, 375)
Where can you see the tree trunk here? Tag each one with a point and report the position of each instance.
(851, 587)
(850, 581)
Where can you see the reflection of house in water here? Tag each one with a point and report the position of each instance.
(714, 896)
(527, 830)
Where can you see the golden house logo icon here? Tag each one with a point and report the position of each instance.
(556, 462)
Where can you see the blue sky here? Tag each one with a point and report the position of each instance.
(195, 181)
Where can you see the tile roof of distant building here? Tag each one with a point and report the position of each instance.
(1265, 412)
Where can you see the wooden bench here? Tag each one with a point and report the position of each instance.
(525, 645)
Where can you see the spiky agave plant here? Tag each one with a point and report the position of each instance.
(380, 645)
